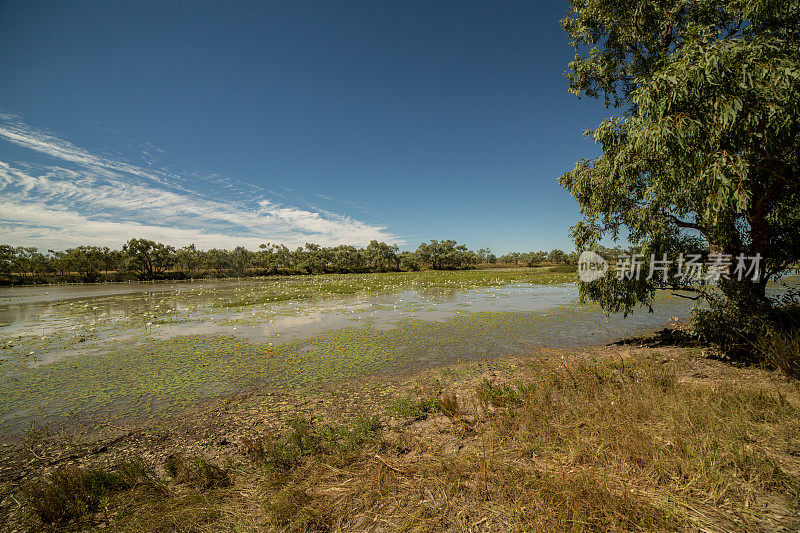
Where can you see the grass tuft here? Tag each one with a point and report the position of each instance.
(197, 472)
(782, 351)
(411, 408)
(449, 406)
(335, 445)
(502, 395)
(75, 493)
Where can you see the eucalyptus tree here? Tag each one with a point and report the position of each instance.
(703, 151)
(189, 259)
(382, 256)
(408, 261)
(264, 256)
(218, 260)
(85, 260)
(445, 254)
(27, 260)
(272, 256)
(486, 256)
(112, 259)
(283, 256)
(433, 254)
(534, 258)
(58, 262)
(557, 256)
(147, 258)
(312, 258)
(241, 260)
(7, 259)
(511, 258)
(348, 258)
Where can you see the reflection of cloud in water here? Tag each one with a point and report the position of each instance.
(381, 311)
(282, 322)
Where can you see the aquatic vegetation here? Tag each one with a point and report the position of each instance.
(156, 362)
(153, 376)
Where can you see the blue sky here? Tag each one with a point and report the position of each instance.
(290, 122)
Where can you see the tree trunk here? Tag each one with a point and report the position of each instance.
(749, 297)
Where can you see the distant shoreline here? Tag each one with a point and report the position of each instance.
(114, 278)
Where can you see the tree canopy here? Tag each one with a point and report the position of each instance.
(144, 259)
(703, 153)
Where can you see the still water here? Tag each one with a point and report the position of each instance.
(116, 351)
(46, 317)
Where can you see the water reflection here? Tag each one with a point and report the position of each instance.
(47, 325)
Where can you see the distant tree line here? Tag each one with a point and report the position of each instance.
(143, 259)
(555, 257)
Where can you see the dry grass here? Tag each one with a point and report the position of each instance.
(71, 494)
(197, 472)
(406, 407)
(782, 351)
(600, 446)
(583, 445)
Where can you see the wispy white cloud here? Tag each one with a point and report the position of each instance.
(65, 151)
(53, 228)
(78, 197)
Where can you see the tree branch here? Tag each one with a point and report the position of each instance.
(683, 224)
(687, 296)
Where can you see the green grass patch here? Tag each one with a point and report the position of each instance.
(413, 408)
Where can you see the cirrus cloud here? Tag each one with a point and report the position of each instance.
(75, 197)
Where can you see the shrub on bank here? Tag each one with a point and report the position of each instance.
(773, 338)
